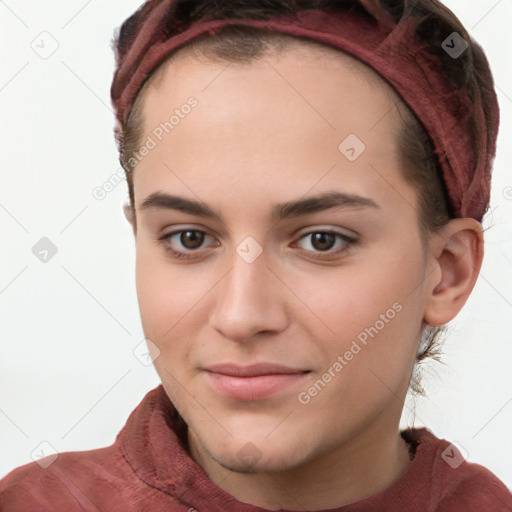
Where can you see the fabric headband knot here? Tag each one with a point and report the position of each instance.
(389, 47)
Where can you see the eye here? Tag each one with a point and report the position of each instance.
(182, 244)
(189, 239)
(324, 242)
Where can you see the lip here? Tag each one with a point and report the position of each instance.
(253, 382)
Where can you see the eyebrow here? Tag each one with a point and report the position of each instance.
(287, 210)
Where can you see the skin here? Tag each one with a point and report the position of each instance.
(254, 141)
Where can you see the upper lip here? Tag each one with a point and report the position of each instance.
(253, 370)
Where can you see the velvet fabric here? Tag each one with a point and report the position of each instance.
(148, 468)
(389, 47)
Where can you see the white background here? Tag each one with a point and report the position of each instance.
(68, 328)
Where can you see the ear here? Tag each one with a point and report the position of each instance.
(129, 213)
(456, 255)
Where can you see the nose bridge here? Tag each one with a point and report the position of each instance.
(246, 301)
(246, 283)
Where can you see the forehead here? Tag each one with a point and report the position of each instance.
(199, 52)
(278, 120)
(307, 64)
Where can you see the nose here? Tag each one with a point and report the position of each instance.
(249, 300)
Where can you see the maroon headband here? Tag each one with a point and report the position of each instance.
(391, 50)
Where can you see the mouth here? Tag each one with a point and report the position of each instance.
(254, 382)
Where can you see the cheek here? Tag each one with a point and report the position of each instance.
(163, 306)
(374, 314)
(174, 305)
(351, 298)
(163, 295)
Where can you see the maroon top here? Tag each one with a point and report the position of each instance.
(148, 469)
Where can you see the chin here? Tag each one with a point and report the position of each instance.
(258, 456)
(264, 464)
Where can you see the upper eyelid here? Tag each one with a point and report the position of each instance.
(304, 230)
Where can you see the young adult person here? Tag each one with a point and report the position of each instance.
(307, 182)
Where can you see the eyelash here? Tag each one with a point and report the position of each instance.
(349, 241)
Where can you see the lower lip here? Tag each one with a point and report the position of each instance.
(252, 388)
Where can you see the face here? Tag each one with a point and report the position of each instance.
(287, 305)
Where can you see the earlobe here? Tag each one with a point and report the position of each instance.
(458, 253)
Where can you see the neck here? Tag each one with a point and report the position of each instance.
(364, 465)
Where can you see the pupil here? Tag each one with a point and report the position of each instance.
(321, 239)
(191, 239)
